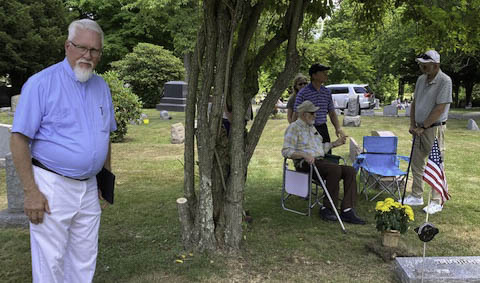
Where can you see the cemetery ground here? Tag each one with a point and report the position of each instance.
(140, 235)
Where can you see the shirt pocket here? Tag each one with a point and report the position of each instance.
(102, 118)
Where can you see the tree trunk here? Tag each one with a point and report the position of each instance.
(468, 91)
(401, 89)
(456, 90)
(211, 216)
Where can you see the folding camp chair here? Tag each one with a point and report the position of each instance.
(299, 184)
(379, 160)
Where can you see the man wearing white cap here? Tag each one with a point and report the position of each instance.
(305, 146)
(429, 114)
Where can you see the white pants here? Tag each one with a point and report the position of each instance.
(64, 247)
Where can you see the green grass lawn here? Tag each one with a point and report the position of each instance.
(140, 235)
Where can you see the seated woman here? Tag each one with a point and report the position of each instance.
(305, 146)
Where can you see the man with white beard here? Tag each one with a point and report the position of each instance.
(60, 141)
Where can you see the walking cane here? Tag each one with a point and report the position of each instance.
(408, 168)
(329, 198)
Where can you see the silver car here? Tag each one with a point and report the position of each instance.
(342, 92)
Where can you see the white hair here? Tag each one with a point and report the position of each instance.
(84, 24)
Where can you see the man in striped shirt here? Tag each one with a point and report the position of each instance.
(305, 146)
(321, 97)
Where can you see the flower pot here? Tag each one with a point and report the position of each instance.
(390, 238)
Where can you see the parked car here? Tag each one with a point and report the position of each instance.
(342, 92)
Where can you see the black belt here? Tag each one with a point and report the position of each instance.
(434, 125)
(39, 164)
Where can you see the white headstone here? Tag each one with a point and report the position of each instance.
(14, 102)
(377, 104)
(472, 125)
(383, 134)
(5, 134)
(164, 115)
(13, 216)
(390, 110)
(351, 121)
(177, 133)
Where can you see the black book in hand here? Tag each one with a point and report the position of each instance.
(106, 184)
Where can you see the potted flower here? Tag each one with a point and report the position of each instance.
(392, 219)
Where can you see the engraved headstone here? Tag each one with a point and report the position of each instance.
(351, 121)
(438, 269)
(5, 134)
(177, 133)
(390, 110)
(367, 112)
(355, 150)
(13, 216)
(165, 116)
(472, 125)
(14, 102)
(353, 106)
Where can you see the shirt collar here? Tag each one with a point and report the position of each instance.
(68, 69)
(434, 79)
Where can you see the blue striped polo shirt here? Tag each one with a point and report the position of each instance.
(321, 98)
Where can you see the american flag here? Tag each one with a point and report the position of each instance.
(434, 174)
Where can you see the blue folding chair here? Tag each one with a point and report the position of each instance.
(378, 160)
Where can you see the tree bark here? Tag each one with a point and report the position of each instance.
(229, 69)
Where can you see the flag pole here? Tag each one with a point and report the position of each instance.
(408, 168)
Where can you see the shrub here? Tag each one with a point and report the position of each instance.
(147, 69)
(126, 104)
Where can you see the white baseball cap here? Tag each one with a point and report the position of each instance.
(431, 56)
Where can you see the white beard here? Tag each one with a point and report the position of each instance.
(83, 74)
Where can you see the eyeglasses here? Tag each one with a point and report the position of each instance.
(302, 83)
(83, 50)
(311, 113)
(424, 56)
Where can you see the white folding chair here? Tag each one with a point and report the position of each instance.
(299, 184)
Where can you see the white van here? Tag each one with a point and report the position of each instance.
(342, 92)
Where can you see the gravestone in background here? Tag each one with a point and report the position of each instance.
(367, 112)
(353, 106)
(174, 97)
(383, 134)
(177, 133)
(407, 110)
(438, 269)
(390, 110)
(4, 142)
(14, 102)
(13, 216)
(351, 121)
(472, 125)
(377, 104)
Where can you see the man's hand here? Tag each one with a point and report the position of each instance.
(310, 159)
(340, 133)
(411, 130)
(102, 200)
(34, 205)
(340, 141)
(417, 131)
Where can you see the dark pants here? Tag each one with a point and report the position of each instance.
(332, 173)
(322, 129)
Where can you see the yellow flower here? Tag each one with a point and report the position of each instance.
(387, 200)
(379, 205)
(397, 205)
(385, 208)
